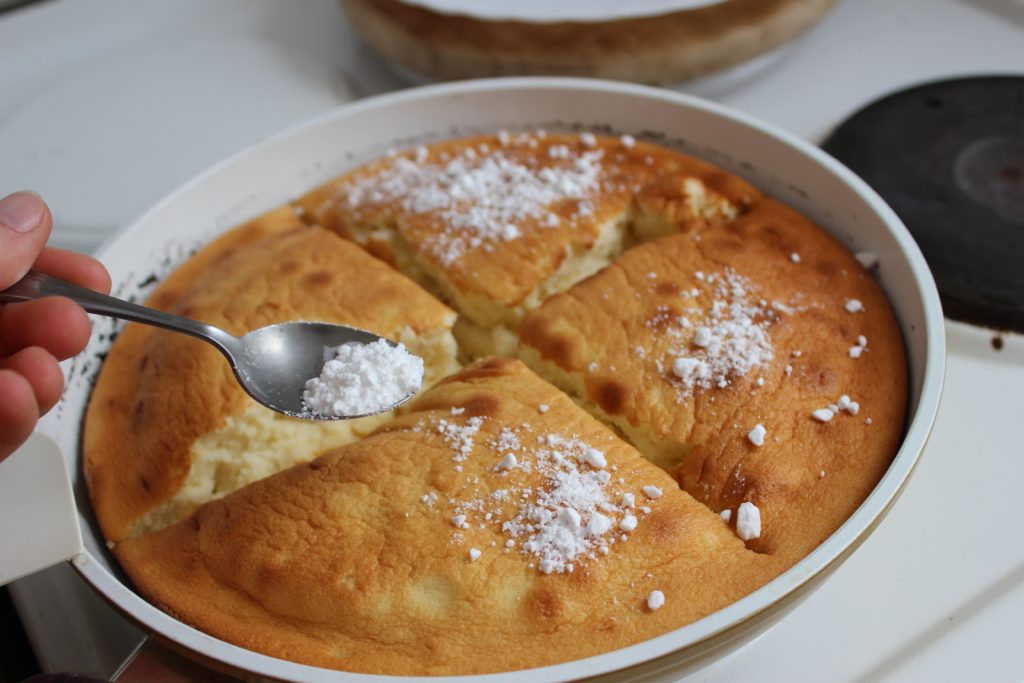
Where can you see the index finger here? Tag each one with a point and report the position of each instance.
(74, 267)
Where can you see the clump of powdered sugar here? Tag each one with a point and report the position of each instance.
(571, 516)
(484, 198)
(748, 521)
(459, 437)
(359, 379)
(725, 341)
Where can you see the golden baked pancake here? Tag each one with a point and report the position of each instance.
(168, 427)
(494, 527)
(699, 347)
(496, 224)
(733, 384)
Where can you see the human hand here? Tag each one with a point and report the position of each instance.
(35, 335)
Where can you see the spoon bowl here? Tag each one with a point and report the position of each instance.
(272, 363)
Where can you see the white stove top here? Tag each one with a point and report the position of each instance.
(112, 104)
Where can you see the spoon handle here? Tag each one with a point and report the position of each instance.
(36, 285)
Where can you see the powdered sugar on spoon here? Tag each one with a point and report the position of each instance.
(361, 379)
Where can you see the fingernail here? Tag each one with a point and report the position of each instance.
(21, 211)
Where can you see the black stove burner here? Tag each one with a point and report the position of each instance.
(949, 158)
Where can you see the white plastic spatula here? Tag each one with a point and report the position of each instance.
(38, 520)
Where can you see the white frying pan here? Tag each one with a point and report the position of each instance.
(279, 169)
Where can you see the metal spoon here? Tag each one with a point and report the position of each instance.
(272, 363)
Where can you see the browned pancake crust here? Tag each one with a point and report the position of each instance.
(159, 391)
(809, 476)
(341, 564)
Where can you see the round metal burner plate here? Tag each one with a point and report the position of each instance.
(949, 158)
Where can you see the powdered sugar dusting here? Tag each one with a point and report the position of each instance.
(725, 341)
(564, 520)
(460, 436)
(572, 515)
(484, 199)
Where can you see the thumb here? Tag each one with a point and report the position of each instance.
(24, 228)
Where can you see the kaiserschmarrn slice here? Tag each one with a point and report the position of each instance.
(494, 527)
(168, 427)
(759, 362)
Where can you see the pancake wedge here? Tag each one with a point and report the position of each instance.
(494, 527)
(688, 343)
(168, 427)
